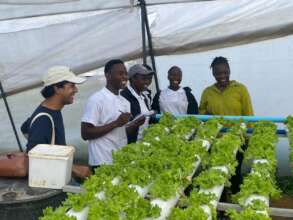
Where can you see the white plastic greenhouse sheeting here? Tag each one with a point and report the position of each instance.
(10, 9)
(85, 41)
(83, 44)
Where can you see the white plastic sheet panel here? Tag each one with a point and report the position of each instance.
(85, 41)
(10, 9)
(210, 25)
(82, 44)
(26, 2)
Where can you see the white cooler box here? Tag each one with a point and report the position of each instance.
(50, 166)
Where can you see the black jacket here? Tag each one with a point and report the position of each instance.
(135, 110)
(192, 107)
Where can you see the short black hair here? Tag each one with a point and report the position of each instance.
(49, 91)
(111, 63)
(219, 60)
(174, 67)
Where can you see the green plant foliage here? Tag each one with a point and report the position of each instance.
(57, 214)
(224, 152)
(188, 214)
(167, 120)
(103, 177)
(185, 127)
(165, 162)
(257, 183)
(210, 130)
(261, 180)
(290, 134)
(247, 214)
(258, 205)
(155, 131)
(285, 183)
(210, 178)
(79, 201)
(119, 201)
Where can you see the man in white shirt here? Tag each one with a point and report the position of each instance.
(139, 80)
(105, 116)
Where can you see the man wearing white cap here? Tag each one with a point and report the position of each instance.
(45, 126)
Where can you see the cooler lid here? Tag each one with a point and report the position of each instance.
(51, 150)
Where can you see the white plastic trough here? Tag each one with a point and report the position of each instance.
(167, 205)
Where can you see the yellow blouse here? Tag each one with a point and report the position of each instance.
(234, 100)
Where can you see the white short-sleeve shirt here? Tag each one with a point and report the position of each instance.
(102, 108)
(172, 101)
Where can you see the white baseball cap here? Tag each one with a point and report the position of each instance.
(58, 74)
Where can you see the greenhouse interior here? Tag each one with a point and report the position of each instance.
(185, 166)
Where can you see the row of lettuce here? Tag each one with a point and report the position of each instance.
(290, 135)
(147, 178)
(259, 186)
(209, 184)
(162, 164)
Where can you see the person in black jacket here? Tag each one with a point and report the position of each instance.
(139, 80)
(175, 99)
(148, 92)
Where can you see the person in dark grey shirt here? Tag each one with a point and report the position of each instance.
(40, 130)
(45, 126)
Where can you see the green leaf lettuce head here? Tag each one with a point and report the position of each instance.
(193, 209)
(122, 202)
(209, 179)
(57, 214)
(156, 130)
(256, 184)
(190, 213)
(246, 214)
(167, 119)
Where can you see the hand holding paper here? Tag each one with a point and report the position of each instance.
(139, 119)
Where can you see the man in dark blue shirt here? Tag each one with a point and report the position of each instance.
(40, 131)
(45, 126)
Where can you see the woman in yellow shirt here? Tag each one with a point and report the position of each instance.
(225, 97)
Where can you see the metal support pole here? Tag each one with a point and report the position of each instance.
(150, 43)
(10, 116)
(144, 50)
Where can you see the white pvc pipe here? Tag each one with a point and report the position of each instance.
(221, 168)
(81, 215)
(260, 161)
(254, 197)
(217, 191)
(207, 210)
(142, 191)
(167, 205)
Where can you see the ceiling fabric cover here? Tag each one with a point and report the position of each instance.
(85, 41)
(12, 9)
